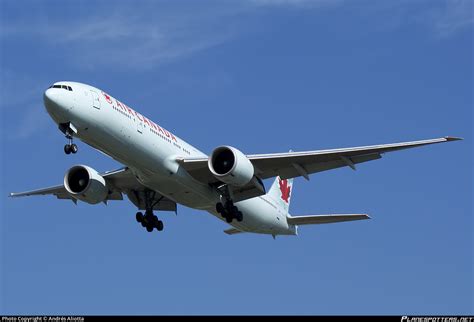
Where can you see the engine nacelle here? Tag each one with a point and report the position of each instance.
(231, 166)
(86, 184)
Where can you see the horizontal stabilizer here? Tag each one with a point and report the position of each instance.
(324, 219)
(232, 231)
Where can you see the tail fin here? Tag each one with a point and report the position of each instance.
(280, 192)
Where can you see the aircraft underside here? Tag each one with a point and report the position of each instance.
(161, 170)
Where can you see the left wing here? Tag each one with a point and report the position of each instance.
(295, 164)
(118, 181)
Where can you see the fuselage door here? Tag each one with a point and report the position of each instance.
(139, 125)
(95, 100)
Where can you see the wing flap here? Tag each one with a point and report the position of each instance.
(325, 219)
(310, 167)
(137, 197)
(253, 189)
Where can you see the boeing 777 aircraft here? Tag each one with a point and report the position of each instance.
(161, 170)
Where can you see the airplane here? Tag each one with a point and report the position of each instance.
(161, 170)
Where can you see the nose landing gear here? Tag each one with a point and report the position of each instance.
(70, 148)
(68, 129)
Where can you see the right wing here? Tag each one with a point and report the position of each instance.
(324, 219)
(294, 164)
(118, 181)
(57, 191)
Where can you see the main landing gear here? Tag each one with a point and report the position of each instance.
(229, 211)
(149, 220)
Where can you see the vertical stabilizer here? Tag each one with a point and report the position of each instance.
(280, 192)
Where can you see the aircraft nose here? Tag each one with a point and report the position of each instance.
(50, 97)
(57, 104)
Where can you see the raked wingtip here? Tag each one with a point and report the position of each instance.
(453, 138)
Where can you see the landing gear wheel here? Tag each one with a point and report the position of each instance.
(220, 208)
(149, 228)
(159, 225)
(67, 149)
(139, 217)
(239, 216)
(73, 148)
(144, 221)
(229, 211)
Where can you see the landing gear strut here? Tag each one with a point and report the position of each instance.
(67, 130)
(229, 211)
(149, 220)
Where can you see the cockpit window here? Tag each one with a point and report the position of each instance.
(66, 87)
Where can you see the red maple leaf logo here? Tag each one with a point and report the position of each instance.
(285, 189)
(107, 97)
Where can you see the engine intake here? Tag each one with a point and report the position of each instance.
(86, 184)
(231, 166)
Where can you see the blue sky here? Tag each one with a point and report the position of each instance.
(263, 76)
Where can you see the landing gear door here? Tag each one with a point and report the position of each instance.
(95, 100)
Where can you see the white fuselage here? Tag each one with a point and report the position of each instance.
(150, 151)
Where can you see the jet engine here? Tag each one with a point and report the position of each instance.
(231, 166)
(86, 184)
